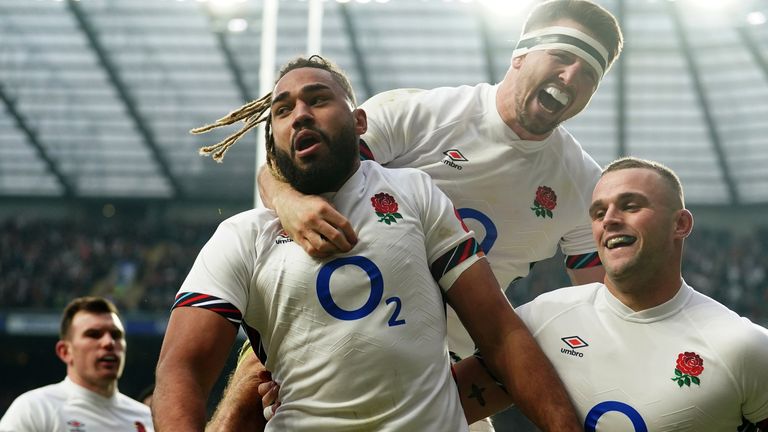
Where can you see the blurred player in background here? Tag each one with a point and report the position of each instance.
(92, 345)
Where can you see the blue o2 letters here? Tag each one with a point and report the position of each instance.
(377, 291)
(590, 423)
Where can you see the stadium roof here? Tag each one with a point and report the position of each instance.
(97, 96)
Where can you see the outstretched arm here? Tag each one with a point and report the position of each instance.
(195, 349)
(510, 350)
(310, 220)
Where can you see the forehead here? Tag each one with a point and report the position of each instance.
(294, 80)
(631, 180)
(83, 321)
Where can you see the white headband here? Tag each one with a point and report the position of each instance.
(566, 39)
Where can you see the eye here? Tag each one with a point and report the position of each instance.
(281, 111)
(318, 100)
(631, 207)
(598, 214)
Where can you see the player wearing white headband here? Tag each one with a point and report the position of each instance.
(498, 151)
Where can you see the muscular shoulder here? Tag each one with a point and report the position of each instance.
(395, 176)
(553, 304)
(52, 393)
(35, 409)
(574, 159)
(250, 224)
(133, 406)
(735, 335)
(427, 109)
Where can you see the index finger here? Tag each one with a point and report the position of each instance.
(342, 235)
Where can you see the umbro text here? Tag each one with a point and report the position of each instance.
(451, 164)
(571, 352)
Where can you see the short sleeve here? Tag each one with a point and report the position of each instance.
(451, 247)
(24, 416)
(390, 115)
(224, 267)
(754, 379)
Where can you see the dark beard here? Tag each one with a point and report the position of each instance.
(535, 128)
(322, 176)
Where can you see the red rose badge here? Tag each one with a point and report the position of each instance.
(689, 367)
(386, 208)
(545, 202)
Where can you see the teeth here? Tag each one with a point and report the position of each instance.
(558, 95)
(618, 241)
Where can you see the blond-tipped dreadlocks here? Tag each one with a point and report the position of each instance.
(251, 113)
(257, 111)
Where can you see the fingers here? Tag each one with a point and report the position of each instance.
(268, 392)
(269, 412)
(328, 233)
(269, 396)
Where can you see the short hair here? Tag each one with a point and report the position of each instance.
(594, 17)
(666, 173)
(90, 304)
(257, 111)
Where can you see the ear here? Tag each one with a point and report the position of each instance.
(517, 62)
(683, 224)
(62, 351)
(361, 121)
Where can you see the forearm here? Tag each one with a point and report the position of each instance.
(272, 190)
(531, 381)
(510, 351)
(240, 407)
(178, 403)
(188, 367)
(480, 395)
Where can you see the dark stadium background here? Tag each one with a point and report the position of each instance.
(102, 190)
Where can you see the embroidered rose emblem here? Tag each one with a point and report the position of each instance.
(545, 202)
(386, 208)
(689, 367)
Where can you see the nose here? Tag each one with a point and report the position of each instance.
(302, 115)
(612, 217)
(108, 341)
(570, 72)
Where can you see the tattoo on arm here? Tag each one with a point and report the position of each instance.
(477, 393)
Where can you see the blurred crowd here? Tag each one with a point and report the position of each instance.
(140, 266)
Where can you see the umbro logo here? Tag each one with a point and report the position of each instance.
(574, 343)
(452, 156)
(283, 237)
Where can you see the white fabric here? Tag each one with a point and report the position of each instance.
(68, 407)
(569, 31)
(414, 128)
(631, 357)
(368, 373)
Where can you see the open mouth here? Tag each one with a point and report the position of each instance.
(553, 99)
(305, 140)
(620, 241)
(109, 359)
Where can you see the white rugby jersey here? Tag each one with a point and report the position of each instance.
(68, 407)
(689, 364)
(522, 198)
(357, 341)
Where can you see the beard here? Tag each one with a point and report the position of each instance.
(531, 124)
(321, 174)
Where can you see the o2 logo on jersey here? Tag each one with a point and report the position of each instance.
(488, 225)
(374, 298)
(590, 423)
